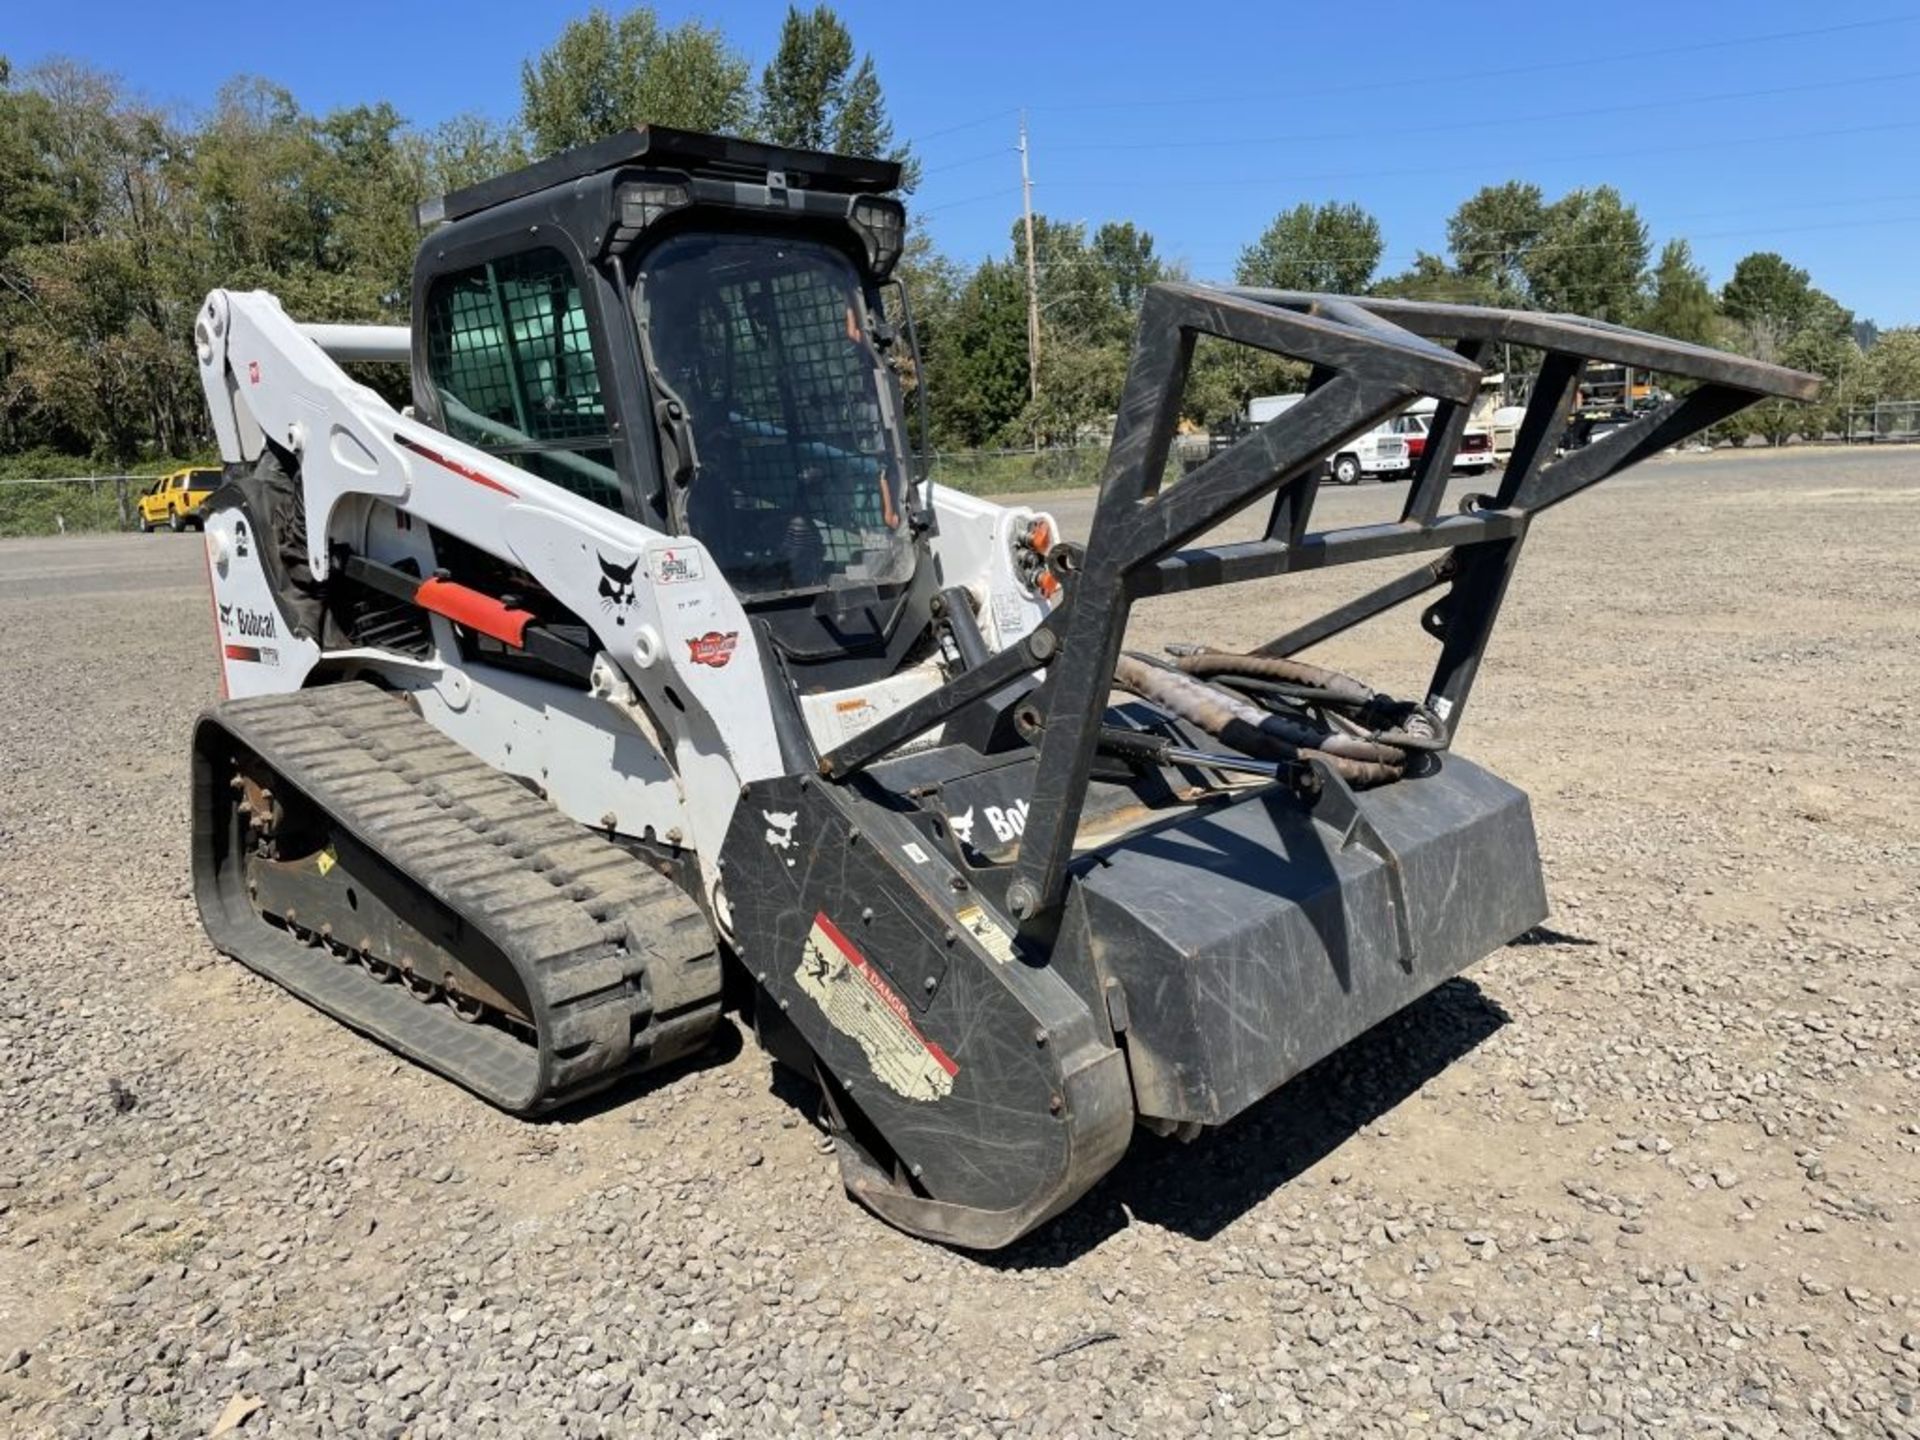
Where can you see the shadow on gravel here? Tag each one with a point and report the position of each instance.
(1198, 1189)
(725, 1045)
(1547, 935)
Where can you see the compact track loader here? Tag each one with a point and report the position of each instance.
(632, 674)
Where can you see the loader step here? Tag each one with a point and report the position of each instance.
(348, 851)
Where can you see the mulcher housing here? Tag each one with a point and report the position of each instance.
(998, 916)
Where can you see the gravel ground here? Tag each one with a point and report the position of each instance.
(1655, 1171)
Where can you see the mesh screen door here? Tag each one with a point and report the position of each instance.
(512, 359)
(799, 483)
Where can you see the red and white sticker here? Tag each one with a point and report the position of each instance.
(859, 1003)
(713, 648)
(675, 567)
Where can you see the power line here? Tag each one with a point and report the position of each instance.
(1002, 193)
(1574, 62)
(975, 124)
(1402, 172)
(999, 154)
(1413, 171)
(1493, 122)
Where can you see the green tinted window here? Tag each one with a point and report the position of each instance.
(512, 361)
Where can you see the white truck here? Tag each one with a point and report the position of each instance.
(1382, 452)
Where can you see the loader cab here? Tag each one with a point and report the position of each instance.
(690, 331)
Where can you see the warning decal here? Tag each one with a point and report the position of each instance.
(988, 931)
(859, 1003)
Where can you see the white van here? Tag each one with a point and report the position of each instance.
(1381, 452)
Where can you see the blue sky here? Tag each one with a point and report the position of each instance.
(1762, 125)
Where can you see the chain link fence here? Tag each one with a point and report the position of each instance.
(1063, 467)
(1888, 422)
(71, 503)
(999, 472)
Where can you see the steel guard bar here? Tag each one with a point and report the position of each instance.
(1370, 359)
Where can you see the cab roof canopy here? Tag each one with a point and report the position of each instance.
(716, 156)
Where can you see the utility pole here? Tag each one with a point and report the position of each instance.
(1033, 272)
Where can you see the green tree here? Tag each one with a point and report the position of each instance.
(369, 175)
(1682, 305)
(603, 75)
(1331, 247)
(251, 173)
(37, 208)
(805, 84)
(1835, 358)
(95, 305)
(1124, 254)
(1491, 233)
(1076, 293)
(979, 359)
(1590, 257)
(1090, 293)
(813, 96)
(1224, 377)
(1892, 366)
(1431, 278)
(1776, 302)
(470, 148)
(1767, 291)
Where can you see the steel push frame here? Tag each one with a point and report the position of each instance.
(1370, 358)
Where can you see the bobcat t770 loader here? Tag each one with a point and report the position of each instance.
(633, 674)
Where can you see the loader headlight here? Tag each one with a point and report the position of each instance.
(882, 224)
(647, 202)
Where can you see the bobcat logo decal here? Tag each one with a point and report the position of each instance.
(226, 617)
(616, 588)
(962, 826)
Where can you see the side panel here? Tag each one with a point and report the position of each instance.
(974, 549)
(259, 652)
(987, 1077)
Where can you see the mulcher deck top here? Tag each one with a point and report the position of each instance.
(614, 966)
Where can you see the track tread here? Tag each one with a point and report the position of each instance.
(561, 903)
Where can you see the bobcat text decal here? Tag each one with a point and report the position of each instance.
(255, 624)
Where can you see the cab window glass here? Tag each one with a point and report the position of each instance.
(512, 361)
(800, 485)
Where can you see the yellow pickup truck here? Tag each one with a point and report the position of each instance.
(176, 500)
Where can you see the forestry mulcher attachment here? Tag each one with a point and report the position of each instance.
(633, 674)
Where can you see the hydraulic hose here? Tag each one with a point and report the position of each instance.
(1253, 731)
(1398, 723)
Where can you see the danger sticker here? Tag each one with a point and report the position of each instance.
(858, 1002)
(991, 934)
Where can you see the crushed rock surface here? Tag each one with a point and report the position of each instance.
(1655, 1170)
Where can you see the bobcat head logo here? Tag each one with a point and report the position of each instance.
(226, 617)
(962, 826)
(616, 588)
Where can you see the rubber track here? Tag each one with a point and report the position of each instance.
(618, 963)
